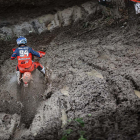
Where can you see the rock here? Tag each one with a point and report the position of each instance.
(6, 33)
(23, 29)
(77, 13)
(137, 93)
(56, 23)
(95, 73)
(38, 27)
(46, 19)
(49, 21)
(89, 7)
(67, 16)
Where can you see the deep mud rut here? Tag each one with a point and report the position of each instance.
(95, 76)
(19, 99)
(27, 98)
(30, 98)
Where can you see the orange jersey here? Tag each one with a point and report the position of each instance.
(24, 56)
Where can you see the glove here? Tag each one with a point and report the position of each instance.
(41, 55)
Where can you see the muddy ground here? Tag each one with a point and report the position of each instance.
(94, 81)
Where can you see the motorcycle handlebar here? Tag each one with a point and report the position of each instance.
(40, 52)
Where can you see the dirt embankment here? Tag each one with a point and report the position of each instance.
(94, 82)
(95, 77)
(14, 11)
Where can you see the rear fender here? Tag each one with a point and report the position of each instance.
(26, 77)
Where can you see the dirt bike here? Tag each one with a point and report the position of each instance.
(27, 76)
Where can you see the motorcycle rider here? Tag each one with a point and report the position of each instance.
(24, 56)
(136, 5)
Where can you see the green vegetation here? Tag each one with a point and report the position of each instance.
(67, 132)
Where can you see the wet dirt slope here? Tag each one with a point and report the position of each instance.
(95, 75)
(18, 104)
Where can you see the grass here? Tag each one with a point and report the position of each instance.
(67, 132)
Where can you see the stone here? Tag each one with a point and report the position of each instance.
(77, 13)
(64, 118)
(48, 22)
(65, 91)
(46, 19)
(67, 16)
(37, 26)
(57, 21)
(137, 93)
(6, 33)
(22, 29)
(60, 17)
(54, 23)
(95, 73)
(89, 7)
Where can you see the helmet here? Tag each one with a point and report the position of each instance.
(21, 40)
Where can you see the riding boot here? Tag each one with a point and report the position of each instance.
(18, 77)
(43, 71)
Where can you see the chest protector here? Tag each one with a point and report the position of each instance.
(24, 58)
